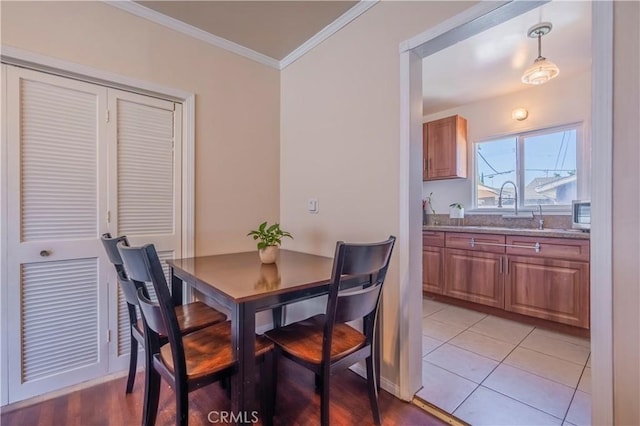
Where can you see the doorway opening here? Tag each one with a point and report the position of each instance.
(435, 41)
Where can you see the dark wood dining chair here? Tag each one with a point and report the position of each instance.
(187, 362)
(191, 316)
(325, 344)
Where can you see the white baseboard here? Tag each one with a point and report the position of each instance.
(385, 383)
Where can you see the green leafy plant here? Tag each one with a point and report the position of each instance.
(458, 206)
(269, 235)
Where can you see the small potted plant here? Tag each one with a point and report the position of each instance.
(456, 211)
(270, 238)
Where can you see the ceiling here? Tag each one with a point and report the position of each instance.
(486, 65)
(273, 28)
(491, 63)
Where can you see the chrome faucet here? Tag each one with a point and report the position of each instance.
(515, 188)
(541, 219)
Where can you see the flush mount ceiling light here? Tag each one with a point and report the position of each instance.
(519, 114)
(542, 69)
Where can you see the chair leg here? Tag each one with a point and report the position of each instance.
(324, 397)
(133, 363)
(275, 357)
(226, 385)
(151, 395)
(268, 390)
(373, 391)
(182, 404)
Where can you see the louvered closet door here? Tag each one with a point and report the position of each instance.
(57, 300)
(145, 168)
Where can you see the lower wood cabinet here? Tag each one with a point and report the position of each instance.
(433, 269)
(556, 290)
(546, 278)
(474, 276)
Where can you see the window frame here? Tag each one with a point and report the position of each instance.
(582, 167)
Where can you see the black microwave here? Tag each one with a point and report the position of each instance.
(581, 215)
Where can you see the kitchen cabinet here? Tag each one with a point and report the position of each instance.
(556, 290)
(433, 261)
(444, 147)
(474, 276)
(473, 267)
(551, 283)
(542, 277)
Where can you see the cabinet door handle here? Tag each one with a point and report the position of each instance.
(424, 164)
(506, 265)
(501, 264)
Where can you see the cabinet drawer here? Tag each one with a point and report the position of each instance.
(556, 248)
(481, 242)
(433, 238)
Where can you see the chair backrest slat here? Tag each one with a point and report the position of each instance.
(366, 265)
(363, 259)
(143, 265)
(152, 314)
(129, 289)
(354, 305)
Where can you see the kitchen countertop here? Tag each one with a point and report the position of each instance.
(549, 232)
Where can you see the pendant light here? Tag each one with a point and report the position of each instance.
(542, 69)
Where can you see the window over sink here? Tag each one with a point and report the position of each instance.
(548, 167)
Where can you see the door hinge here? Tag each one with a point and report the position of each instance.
(107, 116)
(108, 335)
(108, 216)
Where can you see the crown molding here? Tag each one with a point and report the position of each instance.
(48, 64)
(191, 31)
(361, 7)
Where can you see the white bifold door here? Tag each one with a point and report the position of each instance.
(82, 160)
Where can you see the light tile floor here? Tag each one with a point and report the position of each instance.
(487, 370)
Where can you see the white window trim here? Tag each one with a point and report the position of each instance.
(583, 148)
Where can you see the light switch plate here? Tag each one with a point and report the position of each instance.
(312, 205)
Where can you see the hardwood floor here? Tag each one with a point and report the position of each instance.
(297, 404)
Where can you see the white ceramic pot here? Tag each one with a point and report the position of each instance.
(269, 254)
(456, 213)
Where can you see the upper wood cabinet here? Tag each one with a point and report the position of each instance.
(444, 144)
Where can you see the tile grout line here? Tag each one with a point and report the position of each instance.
(533, 350)
(575, 391)
(579, 364)
(518, 345)
(509, 396)
(520, 402)
(494, 369)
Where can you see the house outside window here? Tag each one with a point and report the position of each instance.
(546, 165)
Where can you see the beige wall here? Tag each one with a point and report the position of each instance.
(626, 216)
(561, 101)
(237, 132)
(339, 136)
(340, 140)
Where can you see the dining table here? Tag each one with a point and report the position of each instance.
(243, 285)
